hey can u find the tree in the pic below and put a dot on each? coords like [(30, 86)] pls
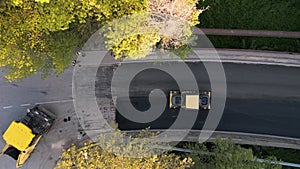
[(119, 154), (131, 36), (178, 15), (165, 24), (41, 35), (224, 154), (26, 29)]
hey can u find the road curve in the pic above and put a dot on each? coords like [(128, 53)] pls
[(261, 99)]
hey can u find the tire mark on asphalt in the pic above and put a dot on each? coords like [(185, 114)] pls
[(49, 102), (24, 105), (7, 107)]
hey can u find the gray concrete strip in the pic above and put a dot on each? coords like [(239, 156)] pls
[(206, 55), (228, 56), (94, 56), (236, 137), (91, 116)]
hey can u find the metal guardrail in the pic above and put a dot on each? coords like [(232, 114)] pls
[(236, 137), (288, 164), (258, 33)]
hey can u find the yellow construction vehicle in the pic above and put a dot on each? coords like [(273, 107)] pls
[(22, 136)]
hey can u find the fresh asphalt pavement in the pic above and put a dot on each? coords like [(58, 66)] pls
[(260, 99)]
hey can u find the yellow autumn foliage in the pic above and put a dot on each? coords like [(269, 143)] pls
[(164, 24), (116, 154), (41, 35)]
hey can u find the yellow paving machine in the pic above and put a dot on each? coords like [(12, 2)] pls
[(22, 136)]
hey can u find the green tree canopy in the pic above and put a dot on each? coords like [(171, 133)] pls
[(226, 155)]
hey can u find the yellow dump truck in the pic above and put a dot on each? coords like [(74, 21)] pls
[(190, 99), (22, 136)]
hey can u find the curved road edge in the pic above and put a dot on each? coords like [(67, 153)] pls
[(226, 56), (236, 137), (231, 56)]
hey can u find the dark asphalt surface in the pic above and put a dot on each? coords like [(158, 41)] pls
[(261, 99)]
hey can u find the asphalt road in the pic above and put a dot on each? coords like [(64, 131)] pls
[(260, 99), (17, 96), (55, 94)]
